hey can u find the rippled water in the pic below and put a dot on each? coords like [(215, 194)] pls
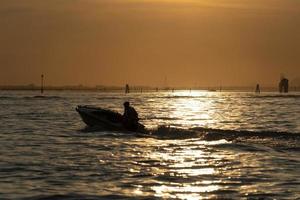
[(214, 145)]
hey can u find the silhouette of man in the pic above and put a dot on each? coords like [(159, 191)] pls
[(130, 117)]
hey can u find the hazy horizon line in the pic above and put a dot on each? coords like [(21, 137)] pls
[(141, 87)]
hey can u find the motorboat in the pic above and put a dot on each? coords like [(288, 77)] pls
[(104, 118)]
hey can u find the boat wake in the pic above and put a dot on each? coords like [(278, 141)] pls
[(207, 134), (164, 132)]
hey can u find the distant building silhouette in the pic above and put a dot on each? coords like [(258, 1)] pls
[(257, 90), (284, 85), (127, 89)]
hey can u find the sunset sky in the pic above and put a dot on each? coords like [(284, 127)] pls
[(140, 42)]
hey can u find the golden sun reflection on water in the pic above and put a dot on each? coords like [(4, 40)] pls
[(196, 110), (194, 162), (185, 191)]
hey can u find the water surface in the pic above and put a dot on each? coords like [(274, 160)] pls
[(233, 145)]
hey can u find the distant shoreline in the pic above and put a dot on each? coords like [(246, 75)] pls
[(139, 89)]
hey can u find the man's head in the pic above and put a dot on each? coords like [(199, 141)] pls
[(126, 104)]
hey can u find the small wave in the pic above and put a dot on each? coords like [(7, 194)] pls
[(249, 147), (179, 97), (105, 98), (80, 196), (30, 97), (7, 97), (161, 118), (232, 134), (297, 149), (105, 133), (42, 97), (295, 96)]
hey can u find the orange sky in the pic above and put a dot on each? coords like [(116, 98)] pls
[(111, 42)]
